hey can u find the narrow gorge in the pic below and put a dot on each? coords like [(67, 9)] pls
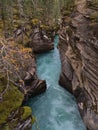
[(55, 109), (48, 65)]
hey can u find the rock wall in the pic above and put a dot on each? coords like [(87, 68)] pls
[(79, 56)]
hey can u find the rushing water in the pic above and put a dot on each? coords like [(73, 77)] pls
[(56, 109)]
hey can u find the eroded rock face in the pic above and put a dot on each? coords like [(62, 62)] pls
[(79, 56)]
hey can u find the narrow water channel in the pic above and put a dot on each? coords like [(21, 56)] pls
[(56, 109)]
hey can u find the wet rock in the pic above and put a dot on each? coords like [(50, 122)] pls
[(40, 42), (33, 86), (79, 56)]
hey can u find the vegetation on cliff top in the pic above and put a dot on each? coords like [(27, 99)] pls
[(15, 60)]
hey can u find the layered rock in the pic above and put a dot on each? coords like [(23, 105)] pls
[(79, 56)]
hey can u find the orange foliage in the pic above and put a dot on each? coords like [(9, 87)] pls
[(14, 59)]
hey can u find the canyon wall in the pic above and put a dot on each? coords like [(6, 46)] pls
[(79, 57)]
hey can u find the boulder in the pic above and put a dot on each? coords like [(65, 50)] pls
[(40, 41)]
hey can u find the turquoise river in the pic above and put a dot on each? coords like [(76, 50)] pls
[(56, 109)]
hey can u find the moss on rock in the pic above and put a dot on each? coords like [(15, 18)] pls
[(11, 100), (26, 112), (5, 127)]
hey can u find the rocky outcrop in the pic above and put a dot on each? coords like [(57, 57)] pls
[(37, 38), (33, 86), (41, 42), (79, 56)]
